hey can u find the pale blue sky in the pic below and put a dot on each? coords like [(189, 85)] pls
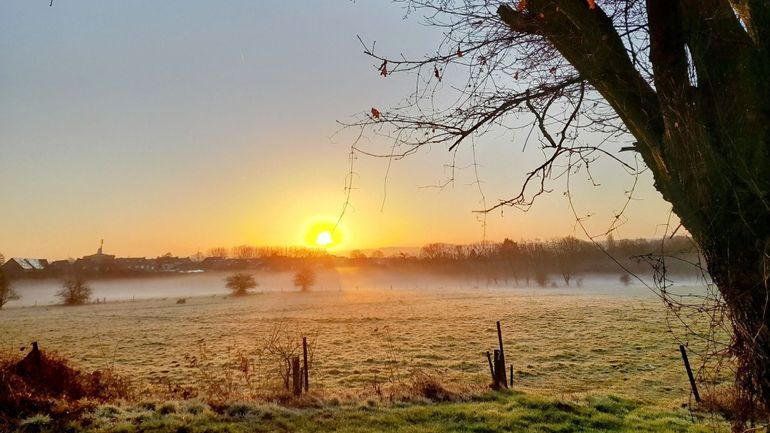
[(178, 125)]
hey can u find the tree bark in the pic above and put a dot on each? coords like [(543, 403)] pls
[(740, 272)]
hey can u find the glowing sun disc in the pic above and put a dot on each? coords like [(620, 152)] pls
[(323, 232), (324, 238)]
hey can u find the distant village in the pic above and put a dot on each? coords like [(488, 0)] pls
[(101, 264)]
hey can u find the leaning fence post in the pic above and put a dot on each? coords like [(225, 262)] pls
[(491, 367), (689, 373), (502, 355), (511, 376)]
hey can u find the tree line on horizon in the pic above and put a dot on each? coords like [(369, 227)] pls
[(563, 259), (523, 261)]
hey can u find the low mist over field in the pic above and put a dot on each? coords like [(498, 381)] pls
[(43, 291)]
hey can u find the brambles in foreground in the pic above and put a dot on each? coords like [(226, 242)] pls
[(284, 346), (240, 283), (74, 291), (304, 279), (46, 385), (7, 293)]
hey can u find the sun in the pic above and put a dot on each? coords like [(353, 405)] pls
[(324, 238), (326, 233)]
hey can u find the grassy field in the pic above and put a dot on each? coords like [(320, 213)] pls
[(574, 352)]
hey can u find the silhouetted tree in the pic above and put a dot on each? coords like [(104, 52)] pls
[(304, 279), (218, 252), (244, 252), (74, 291), (437, 252), (510, 254), (567, 252), (540, 277), (686, 80), (7, 293), (357, 255), (240, 283)]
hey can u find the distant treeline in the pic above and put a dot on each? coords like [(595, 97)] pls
[(542, 262), (524, 261)]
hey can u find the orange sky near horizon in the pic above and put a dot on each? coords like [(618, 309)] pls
[(181, 130)]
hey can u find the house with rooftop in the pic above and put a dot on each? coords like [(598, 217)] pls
[(17, 266)]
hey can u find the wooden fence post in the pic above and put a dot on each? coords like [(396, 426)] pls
[(502, 355), (689, 373), (287, 379), (296, 376), (499, 370), (304, 362)]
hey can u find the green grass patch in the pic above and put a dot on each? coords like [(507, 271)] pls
[(492, 413)]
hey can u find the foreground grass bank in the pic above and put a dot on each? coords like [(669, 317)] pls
[(503, 412)]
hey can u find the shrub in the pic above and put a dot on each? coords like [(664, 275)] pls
[(304, 279), (240, 283), (74, 291)]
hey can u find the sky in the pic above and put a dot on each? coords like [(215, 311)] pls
[(177, 126)]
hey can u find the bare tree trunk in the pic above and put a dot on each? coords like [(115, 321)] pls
[(751, 344), (741, 275)]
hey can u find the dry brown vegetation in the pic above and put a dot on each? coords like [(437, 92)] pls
[(724, 401), (46, 383)]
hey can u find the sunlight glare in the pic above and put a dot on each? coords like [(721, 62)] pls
[(324, 238), (324, 232)]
